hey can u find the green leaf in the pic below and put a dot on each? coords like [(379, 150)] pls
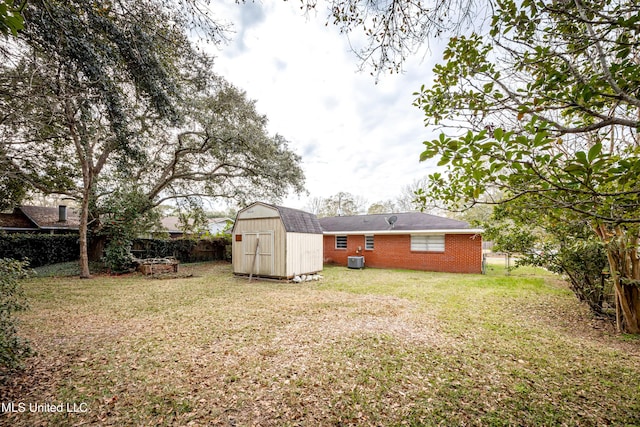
[(594, 151), (581, 156), (574, 168), (444, 160), (539, 139)]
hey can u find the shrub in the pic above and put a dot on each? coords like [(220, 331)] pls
[(40, 249), (573, 251), (582, 261), (13, 349), (185, 250), (117, 256), (157, 248)]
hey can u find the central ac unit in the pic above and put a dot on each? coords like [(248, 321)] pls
[(355, 262)]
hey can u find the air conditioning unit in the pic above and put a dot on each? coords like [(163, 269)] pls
[(355, 262)]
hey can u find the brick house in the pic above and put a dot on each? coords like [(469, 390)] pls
[(414, 240)]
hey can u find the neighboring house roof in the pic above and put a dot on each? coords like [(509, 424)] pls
[(171, 223), (16, 221), (297, 221), (47, 218), (410, 222)]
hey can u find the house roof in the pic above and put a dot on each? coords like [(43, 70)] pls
[(297, 221), (406, 222), (171, 223), (48, 218), (16, 221)]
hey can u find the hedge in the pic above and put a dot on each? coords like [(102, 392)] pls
[(185, 250), (13, 349), (45, 249), (40, 249)]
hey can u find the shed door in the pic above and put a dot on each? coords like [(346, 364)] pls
[(263, 265)]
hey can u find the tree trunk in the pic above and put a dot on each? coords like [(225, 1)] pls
[(622, 253), (84, 227), (627, 307)]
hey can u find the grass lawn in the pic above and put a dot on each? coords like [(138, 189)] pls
[(361, 347)]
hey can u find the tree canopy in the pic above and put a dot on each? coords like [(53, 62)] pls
[(97, 95), (545, 112), (393, 30)]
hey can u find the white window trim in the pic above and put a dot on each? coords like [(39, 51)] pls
[(366, 242), (345, 241), (427, 243)]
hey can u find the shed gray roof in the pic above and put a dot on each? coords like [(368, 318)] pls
[(297, 221), (410, 221)]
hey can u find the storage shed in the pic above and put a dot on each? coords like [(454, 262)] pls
[(274, 241)]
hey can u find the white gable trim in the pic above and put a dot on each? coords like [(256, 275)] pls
[(379, 232)]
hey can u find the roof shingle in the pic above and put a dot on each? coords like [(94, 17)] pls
[(16, 221), (48, 218), (297, 221), (409, 221)]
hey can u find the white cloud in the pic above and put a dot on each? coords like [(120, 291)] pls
[(353, 134)]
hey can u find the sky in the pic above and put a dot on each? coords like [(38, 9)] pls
[(354, 135)]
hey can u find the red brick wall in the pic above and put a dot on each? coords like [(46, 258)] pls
[(463, 253)]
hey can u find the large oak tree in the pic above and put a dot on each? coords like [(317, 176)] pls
[(93, 93)]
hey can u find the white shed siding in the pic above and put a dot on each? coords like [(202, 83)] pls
[(258, 211), (281, 253), (304, 253), (243, 251)]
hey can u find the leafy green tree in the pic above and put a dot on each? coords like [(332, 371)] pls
[(551, 108), (101, 95), (192, 217), (567, 248), (12, 192), (573, 251), (222, 150), (124, 215), (92, 68)]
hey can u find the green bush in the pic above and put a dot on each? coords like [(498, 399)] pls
[(13, 349), (185, 250), (158, 248), (573, 251), (117, 256), (40, 249)]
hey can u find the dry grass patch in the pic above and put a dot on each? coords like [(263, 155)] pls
[(371, 347)]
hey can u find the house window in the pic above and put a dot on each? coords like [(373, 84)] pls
[(429, 243), (368, 243), (341, 242)]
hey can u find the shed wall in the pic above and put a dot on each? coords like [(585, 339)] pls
[(304, 253)]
